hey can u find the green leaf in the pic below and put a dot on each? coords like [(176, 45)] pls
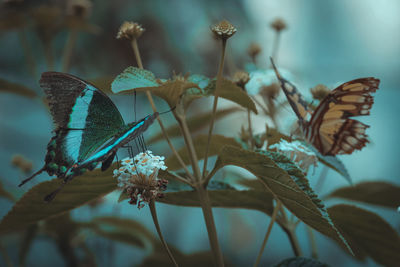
[(200, 143), (230, 198), (14, 88), (301, 261), (376, 193), (286, 182), (195, 123), (31, 208), (143, 80), (331, 162), (368, 234), (103, 83), (232, 92), (132, 78), (123, 230), (198, 259)]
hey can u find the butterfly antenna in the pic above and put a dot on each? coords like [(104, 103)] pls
[(275, 68), (31, 177), (167, 111)]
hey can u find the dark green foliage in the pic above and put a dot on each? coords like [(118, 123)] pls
[(372, 192), (301, 262), (368, 234)]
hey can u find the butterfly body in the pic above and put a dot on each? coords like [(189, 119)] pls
[(89, 129), (330, 128)]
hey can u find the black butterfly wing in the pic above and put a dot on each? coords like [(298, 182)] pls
[(85, 118)]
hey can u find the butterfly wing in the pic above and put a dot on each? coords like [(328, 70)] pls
[(331, 130), (85, 118)]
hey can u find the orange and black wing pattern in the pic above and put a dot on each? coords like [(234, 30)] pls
[(295, 99), (331, 129)]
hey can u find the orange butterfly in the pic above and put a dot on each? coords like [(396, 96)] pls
[(330, 129)]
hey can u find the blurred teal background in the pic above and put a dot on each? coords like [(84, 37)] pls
[(326, 42)]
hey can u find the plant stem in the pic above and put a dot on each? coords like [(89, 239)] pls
[(271, 223), (6, 257), (189, 144), (276, 46), (218, 84), (157, 225), (210, 224), (48, 51), (69, 45), (293, 240), (260, 105), (150, 98), (28, 53), (250, 129), (135, 49), (313, 243)]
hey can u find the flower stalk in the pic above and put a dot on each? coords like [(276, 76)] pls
[(210, 224), (214, 110), (153, 212), (69, 46), (28, 52), (271, 223)]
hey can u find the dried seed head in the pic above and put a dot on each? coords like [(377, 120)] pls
[(319, 92), (240, 78), (253, 50), (223, 30), (270, 91), (278, 25), (79, 8), (130, 30)]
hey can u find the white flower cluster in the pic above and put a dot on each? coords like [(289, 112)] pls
[(144, 163), (138, 178), (297, 152)]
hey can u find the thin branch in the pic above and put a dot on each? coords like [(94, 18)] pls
[(28, 53), (218, 84), (69, 46), (271, 223), (210, 224), (313, 243), (157, 225), (189, 144)]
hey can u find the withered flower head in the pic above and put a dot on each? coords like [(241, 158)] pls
[(223, 30), (240, 78), (21, 163), (79, 8), (278, 25), (319, 92), (138, 178), (270, 91), (130, 30), (253, 50)]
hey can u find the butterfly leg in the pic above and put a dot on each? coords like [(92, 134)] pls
[(31, 177)]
